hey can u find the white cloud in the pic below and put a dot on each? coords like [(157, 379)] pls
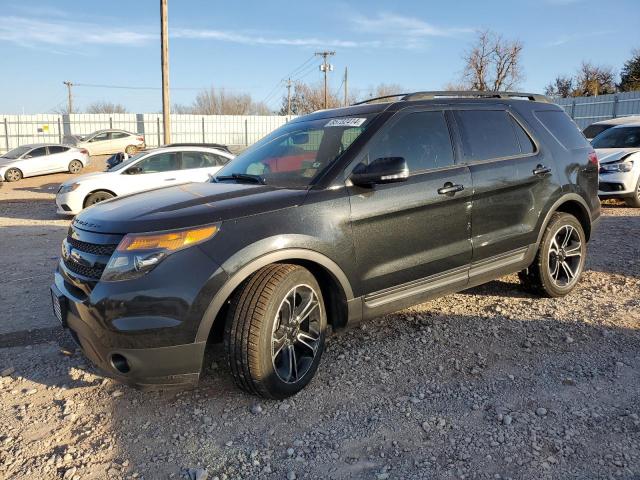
[(391, 24)]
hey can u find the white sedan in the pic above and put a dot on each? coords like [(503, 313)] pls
[(41, 158), (160, 167), (107, 142)]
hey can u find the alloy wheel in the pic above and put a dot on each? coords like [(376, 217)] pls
[(75, 167), (295, 338), (565, 256), (13, 175)]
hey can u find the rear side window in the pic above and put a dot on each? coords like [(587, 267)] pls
[(560, 125), (592, 131), (526, 144), (421, 138), (115, 135), (57, 149), (487, 134)]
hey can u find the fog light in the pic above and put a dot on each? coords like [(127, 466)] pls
[(120, 363)]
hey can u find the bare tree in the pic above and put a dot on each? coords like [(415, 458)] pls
[(307, 98), (593, 80), (493, 63), (562, 87), (214, 101), (106, 107)]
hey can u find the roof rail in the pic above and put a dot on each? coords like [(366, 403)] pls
[(430, 95)]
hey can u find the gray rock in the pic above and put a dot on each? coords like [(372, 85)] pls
[(256, 409), (541, 411)]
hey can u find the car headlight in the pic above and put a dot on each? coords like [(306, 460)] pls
[(139, 253), (68, 188), (617, 167)]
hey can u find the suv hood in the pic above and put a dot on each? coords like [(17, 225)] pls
[(183, 206), (609, 155)]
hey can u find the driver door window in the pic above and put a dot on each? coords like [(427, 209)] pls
[(37, 161)]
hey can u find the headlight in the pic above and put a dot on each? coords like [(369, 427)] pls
[(139, 253), (617, 167), (68, 188)]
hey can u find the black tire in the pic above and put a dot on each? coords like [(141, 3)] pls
[(13, 175), (97, 197), (131, 150), (256, 319), (75, 166), (547, 276), (635, 200)]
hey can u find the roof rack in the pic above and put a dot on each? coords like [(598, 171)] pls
[(430, 95)]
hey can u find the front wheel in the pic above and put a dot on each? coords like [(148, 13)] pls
[(75, 166), (12, 175), (560, 260), (275, 331), (97, 197)]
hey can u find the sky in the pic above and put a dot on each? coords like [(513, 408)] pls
[(251, 46)]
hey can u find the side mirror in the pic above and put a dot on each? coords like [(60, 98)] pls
[(27, 156), (134, 170), (381, 170)]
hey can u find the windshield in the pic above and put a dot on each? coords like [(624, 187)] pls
[(296, 153), (127, 162), (16, 152), (619, 137)]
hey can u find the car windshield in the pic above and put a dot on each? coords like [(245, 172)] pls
[(127, 162), (294, 155), (16, 152), (619, 137)]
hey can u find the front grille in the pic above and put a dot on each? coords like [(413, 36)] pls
[(89, 272), (93, 248)]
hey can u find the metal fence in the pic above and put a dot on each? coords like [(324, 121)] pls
[(586, 110), (232, 130)]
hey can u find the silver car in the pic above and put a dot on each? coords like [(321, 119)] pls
[(41, 158)]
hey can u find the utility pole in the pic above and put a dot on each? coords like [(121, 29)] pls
[(346, 87), (289, 96), (69, 97), (325, 67), (164, 61)]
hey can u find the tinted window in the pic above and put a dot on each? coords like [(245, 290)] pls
[(119, 135), (592, 131), (620, 137), (195, 160), (526, 144), (422, 139), (163, 162), (487, 134), (214, 159), (57, 149), (100, 137), (560, 125), (38, 152)]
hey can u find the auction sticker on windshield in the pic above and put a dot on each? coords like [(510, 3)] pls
[(346, 122)]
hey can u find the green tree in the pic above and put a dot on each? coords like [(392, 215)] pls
[(630, 75)]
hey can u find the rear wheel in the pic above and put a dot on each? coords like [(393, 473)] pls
[(75, 166), (635, 200), (12, 175), (131, 150), (97, 197), (275, 330), (560, 260)]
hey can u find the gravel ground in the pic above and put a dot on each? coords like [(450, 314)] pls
[(487, 383)]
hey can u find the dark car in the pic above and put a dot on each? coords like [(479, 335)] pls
[(334, 218)]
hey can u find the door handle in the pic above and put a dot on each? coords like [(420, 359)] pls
[(169, 179), (541, 170), (449, 188)]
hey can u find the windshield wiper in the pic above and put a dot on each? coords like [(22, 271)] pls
[(242, 177)]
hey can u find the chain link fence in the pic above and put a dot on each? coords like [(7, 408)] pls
[(231, 130)]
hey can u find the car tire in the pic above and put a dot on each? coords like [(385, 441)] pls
[(635, 200), (131, 150), (13, 175), (97, 197), (560, 259), (271, 352), (75, 166)]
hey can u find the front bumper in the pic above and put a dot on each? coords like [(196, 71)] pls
[(150, 322), (69, 203), (619, 184)]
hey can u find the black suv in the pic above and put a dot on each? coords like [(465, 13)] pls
[(335, 217)]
